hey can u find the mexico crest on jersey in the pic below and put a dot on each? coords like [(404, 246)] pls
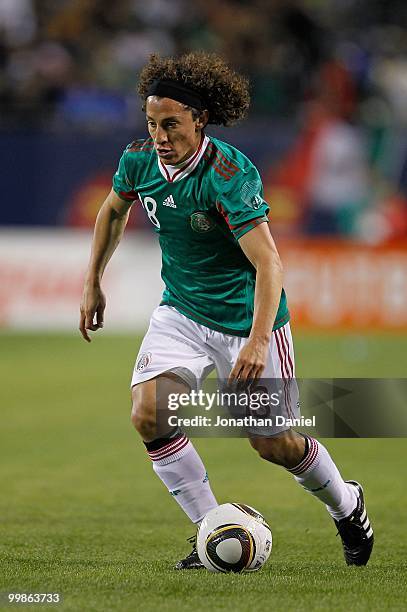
[(201, 222), (143, 362)]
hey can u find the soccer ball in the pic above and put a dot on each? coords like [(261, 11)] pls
[(234, 538)]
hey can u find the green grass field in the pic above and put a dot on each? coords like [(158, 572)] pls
[(82, 514)]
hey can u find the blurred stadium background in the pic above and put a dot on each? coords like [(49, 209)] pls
[(327, 129)]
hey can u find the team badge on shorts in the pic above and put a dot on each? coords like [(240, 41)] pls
[(143, 362), (201, 222)]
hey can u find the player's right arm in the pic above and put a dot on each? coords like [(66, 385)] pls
[(109, 227)]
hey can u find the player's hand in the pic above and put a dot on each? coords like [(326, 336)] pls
[(92, 309), (250, 363)]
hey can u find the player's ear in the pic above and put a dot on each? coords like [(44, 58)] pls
[(202, 120)]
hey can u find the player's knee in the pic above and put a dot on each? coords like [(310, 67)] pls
[(285, 450), (144, 423), (143, 415), (268, 449), (146, 428)]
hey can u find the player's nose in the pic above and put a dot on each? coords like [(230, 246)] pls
[(160, 136)]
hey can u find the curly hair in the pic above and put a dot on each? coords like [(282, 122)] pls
[(226, 93)]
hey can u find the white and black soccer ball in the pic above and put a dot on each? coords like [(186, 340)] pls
[(234, 538)]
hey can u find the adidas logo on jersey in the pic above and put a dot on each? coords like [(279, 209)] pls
[(169, 202)]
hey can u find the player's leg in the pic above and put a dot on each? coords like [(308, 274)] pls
[(312, 466), (171, 360), (303, 456), (174, 458), (317, 473)]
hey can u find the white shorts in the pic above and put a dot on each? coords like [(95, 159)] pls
[(175, 343)]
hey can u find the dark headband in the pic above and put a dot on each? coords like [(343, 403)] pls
[(176, 91)]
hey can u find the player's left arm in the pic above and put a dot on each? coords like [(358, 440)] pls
[(259, 247)]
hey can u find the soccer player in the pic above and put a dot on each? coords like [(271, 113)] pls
[(224, 305)]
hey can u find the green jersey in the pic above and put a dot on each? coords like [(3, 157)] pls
[(199, 210)]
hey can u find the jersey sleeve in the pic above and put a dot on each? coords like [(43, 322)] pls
[(241, 202), (123, 184)]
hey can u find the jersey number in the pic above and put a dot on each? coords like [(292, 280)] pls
[(150, 206)]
